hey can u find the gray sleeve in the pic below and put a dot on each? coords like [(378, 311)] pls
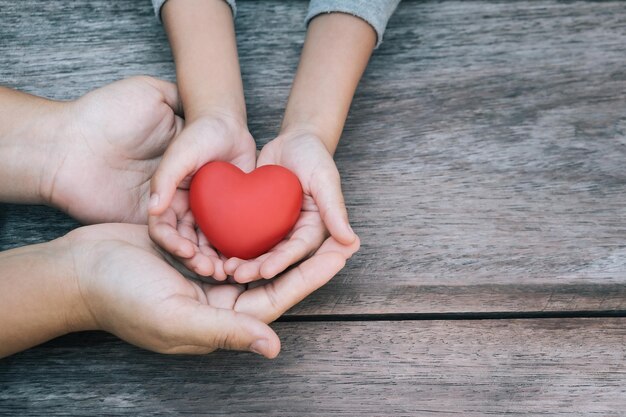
[(157, 4), (374, 12)]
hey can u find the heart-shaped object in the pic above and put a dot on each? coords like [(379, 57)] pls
[(244, 215)]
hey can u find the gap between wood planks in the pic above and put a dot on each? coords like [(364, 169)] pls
[(522, 315)]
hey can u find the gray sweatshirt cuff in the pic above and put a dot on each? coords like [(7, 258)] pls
[(374, 12), (157, 4)]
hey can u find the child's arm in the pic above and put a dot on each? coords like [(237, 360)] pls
[(202, 37), (340, 39), (335, 54)]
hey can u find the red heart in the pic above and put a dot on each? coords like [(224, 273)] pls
[(244, 215)]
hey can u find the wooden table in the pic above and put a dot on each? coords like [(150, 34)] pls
[(484, 166)]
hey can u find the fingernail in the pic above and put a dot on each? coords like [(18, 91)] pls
[(260, 346), (154, 201)]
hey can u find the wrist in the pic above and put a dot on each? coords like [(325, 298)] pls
[(203, 42), (54, 263), (28, 148), (224, 126), (232, 119), (60, 137), (294, 131), (70, 252), (37, 299)]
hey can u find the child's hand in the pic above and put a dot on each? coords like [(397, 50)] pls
[(100, 165), (127, 288), (171, 222), (323, 208)]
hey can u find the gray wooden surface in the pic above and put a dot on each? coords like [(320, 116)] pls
[(483, 161), (424, 368), (484, 167)]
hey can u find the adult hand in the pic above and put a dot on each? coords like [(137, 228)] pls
[(323, 208), (127, 288), (171, 222), (111, 143)]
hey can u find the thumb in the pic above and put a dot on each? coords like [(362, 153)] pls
[(176, 164), (326, 191), (217, 328)]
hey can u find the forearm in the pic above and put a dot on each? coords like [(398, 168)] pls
[(335, 54), (38, 299), (202, 37), (28, 128)]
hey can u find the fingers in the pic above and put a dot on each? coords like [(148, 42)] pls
[(231, 265), (246, 271), (309, 234), (270, 301), (201, 264), (169, 92), (164, 233), (179, 124), (194, 147), (326, 191), (179, 239), (207, 250), (199, 325), (223, 296), (177, 163), (174, 231)]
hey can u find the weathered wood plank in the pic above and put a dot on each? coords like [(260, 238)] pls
[(469, 368), (483, 161)]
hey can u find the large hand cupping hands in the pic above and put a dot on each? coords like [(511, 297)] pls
[(127, 288), (110, 145), (323, 206), (98, 157)]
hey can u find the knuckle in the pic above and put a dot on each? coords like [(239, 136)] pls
[(273, 297), (223, 339), (146, 79)]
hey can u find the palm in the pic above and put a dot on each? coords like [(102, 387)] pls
[(131, 275), (121, 132), (176, 227), (134, 293)]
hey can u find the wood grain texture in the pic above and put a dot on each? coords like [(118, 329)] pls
[(482, 163), (425, 368)]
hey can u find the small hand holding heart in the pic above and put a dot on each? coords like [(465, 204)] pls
[(323, 209), (255, 225), (171, 223)]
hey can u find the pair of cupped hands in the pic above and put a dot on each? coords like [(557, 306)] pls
[(127, 156)]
